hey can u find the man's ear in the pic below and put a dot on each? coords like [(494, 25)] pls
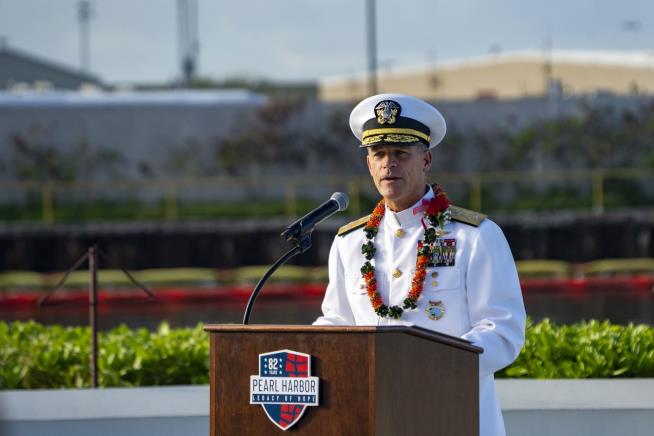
[(368, 162), (427, 161)]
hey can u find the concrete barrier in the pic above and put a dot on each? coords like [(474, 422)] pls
[(161, 411), (530, 407), (578, 407)]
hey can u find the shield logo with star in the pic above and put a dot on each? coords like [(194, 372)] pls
[(284, 386)]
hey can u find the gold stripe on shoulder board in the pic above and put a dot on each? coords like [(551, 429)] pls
[(347, 228), (467, 216)]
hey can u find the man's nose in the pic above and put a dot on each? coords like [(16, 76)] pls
[(389, 162)]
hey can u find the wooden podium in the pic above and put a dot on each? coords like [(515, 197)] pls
[(389, 380)]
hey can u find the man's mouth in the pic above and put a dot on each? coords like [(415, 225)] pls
[(389, 179)]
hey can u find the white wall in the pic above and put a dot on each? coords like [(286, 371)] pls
[(530, 407), (594, 407)]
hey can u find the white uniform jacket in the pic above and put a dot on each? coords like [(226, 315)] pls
[(480, 294)]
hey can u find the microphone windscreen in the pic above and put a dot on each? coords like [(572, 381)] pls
[(342, 199)]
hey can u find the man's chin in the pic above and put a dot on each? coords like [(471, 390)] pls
[(390, 193)]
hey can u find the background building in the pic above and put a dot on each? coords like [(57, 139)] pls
[(19, 69), (511, 75)]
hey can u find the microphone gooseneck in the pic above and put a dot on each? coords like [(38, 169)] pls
[(299, 233)]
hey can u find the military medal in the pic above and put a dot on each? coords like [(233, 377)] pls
[(444, 252), (435, 310)]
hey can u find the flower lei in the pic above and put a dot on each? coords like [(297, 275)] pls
[(437, 216)]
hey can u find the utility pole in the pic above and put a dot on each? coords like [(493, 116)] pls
[(84, 16), (187, 39), (547, 64), (371, 20)]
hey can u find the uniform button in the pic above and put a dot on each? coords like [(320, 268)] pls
[(434, 274), (434, 283), (399, 233), (397, 273)]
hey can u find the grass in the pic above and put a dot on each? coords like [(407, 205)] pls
[(103, 210), (522, 199)]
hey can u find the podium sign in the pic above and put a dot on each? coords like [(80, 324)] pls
[(284, 386), (314, 380)]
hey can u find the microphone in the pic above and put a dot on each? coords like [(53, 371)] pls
[(337, 202), (299, 233)]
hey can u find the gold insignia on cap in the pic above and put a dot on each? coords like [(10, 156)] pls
[(387, 111), (393, 134)]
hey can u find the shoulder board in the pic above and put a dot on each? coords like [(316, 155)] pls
[(467, 216), (347, 228)]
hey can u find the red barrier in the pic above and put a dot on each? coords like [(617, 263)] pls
[(168, 295)]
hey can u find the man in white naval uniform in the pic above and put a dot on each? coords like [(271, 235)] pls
[(471, 291)]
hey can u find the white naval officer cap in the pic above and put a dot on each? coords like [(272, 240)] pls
[(397, 119)]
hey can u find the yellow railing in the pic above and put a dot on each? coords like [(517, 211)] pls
[(289, 188), (596, 177)]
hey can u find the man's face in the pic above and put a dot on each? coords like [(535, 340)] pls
[(399, 173)]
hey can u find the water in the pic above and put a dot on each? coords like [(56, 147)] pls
[(618, 307)]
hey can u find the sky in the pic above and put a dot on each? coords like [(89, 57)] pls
[(135, 41)]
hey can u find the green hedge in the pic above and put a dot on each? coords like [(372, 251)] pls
[(35, 356), (585, 350)]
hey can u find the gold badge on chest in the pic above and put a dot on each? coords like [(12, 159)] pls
[(435, 310)]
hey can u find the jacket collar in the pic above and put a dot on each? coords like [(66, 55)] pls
[(410, 216)]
